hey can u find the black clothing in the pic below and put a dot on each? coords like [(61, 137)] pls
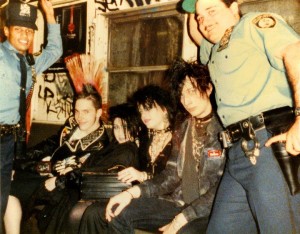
[(27, 182), (162, 197), (59, 146), (115, 154), (210, 169), (145, 160), (125, 154)]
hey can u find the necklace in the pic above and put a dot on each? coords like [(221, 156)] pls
[(153, 132), (199, 121), (199, 135), (159, 141)]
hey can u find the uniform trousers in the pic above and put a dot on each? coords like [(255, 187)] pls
[(7, 154), (254, 198)]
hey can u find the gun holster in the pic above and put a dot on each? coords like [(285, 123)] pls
[(289, 166), (20, 144), (276, 123)]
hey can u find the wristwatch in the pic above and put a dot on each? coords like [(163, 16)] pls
[(297, 111)]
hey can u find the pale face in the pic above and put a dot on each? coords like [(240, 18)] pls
[(87, 116), (214, 17), (19, 37), (120, 135), (196, 104), (154, 118)]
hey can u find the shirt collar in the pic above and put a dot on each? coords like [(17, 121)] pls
[(10, 48)]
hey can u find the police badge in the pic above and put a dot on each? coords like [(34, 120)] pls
[(264, 21)]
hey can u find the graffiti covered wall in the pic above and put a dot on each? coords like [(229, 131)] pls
[(115, 5), (53, 97)]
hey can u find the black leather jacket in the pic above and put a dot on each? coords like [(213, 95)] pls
[(167, 185), (58, 146)]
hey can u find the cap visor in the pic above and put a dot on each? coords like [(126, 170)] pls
[(189, 6), (22, 24)]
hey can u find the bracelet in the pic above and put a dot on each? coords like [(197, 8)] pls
[(129, 193), (175, 224)]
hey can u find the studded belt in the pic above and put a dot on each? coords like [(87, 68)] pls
[(7, 129)]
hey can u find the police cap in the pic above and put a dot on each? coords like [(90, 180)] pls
[(21, 14)]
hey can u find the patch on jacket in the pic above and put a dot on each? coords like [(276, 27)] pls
[(213, 153), (264, 21)]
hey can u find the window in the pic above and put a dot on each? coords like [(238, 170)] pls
[(142, 44)]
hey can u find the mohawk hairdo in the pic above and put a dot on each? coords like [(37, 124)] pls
[(180, 70), (152, 95), (129, 116), (89, 92)]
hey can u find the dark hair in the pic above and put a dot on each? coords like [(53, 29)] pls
[(180, 70), (129, 116), (228, 2), (89, 92), (152, 95)]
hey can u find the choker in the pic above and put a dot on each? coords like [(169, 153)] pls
[(204, 119), (153, 132)]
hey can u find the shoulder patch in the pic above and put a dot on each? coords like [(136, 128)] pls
[(264, 21), (212, 153)]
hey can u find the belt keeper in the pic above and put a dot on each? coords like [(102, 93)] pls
[(248, 131)]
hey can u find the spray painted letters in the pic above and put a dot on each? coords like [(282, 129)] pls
[(115, 5), (54, 98)]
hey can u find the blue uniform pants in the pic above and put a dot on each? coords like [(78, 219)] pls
[(7, 154), (254, 198)]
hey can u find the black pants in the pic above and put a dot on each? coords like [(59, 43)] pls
[(7, 154), (144, 213)]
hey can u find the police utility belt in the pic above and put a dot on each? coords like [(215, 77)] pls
[(276, 121), (7, 129)]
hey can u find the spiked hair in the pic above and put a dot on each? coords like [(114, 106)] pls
[(152, 95), (180, 70)]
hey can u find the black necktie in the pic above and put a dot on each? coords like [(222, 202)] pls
[(22, 108), (20, 146)]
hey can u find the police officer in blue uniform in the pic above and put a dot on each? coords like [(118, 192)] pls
[(254, 64), (19, 31)]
